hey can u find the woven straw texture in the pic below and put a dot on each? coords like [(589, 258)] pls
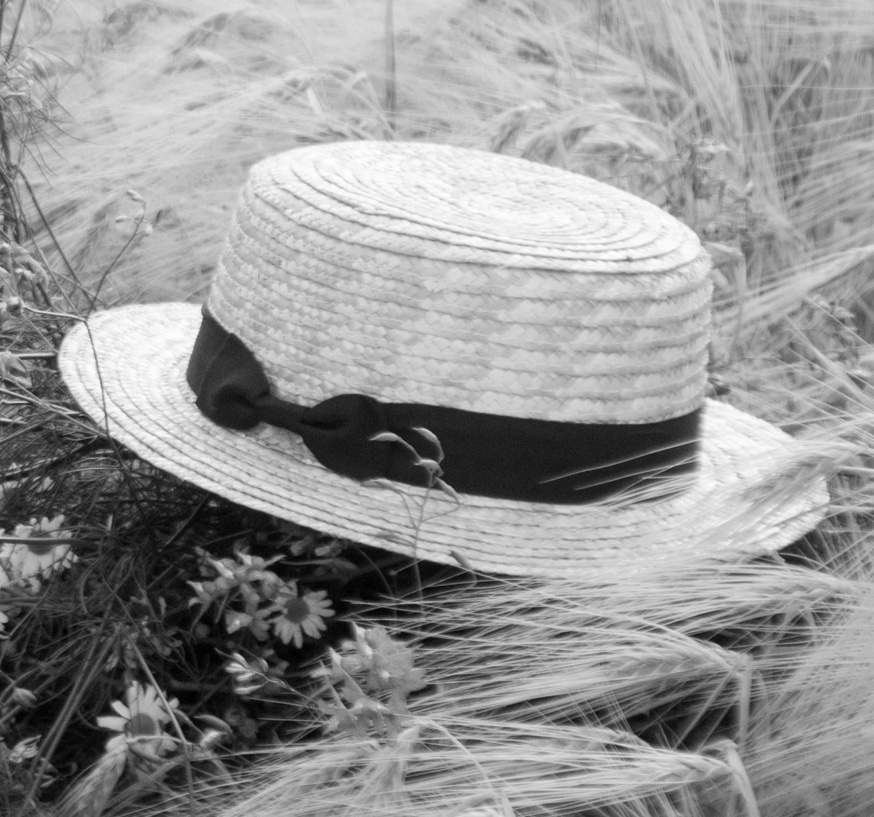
[(429, 274), (418, 273)]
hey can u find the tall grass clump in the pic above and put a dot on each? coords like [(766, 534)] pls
[(163, 652), (746, 690)]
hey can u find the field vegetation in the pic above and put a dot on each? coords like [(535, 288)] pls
[(165, 653)]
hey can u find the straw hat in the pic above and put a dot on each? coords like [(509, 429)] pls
[(550, 331)]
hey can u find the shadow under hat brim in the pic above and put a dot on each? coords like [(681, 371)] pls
[(754, 491)]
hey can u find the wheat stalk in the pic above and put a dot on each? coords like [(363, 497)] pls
[(90, 796)]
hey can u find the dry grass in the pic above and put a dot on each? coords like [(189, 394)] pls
[(776, 725), (748, 121), (739, 691)]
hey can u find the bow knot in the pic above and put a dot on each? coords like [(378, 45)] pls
[(232, 390)]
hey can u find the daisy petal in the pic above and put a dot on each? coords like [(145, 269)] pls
[(113, 723)]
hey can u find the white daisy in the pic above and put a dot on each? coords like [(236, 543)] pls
[(300, 615), (140, 722), (26, 562)]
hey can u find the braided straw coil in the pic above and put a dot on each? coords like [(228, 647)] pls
[(418, 273)]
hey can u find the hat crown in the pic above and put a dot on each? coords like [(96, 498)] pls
[(418, 273)]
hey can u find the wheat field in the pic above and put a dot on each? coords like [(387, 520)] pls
[(127, 130)]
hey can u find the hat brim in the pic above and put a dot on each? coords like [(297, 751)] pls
[(753, 492)]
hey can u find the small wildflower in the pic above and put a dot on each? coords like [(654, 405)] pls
[(216, 725), (303, 546), (24, 750), (245, 574), (13, 306), (21, 697), (256, 566), (255, 622), (262, 673), (249, 676), (300, 615), (328, 550), (224, 567), (14, 370), (383, 665), (244, 670), (27, 563), (205, 593), (140, 722), (210, 739)]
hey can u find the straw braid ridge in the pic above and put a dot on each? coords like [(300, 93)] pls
[(662, 253), (326, 316), (470, 199), (372, 313), (610, 283), (312, 351)]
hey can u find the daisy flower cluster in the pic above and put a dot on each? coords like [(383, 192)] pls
[(141, 741), (29, 555), (249, 596), (251, 599), (140, 723), (295, 615), (369, 681), (33, 552)]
